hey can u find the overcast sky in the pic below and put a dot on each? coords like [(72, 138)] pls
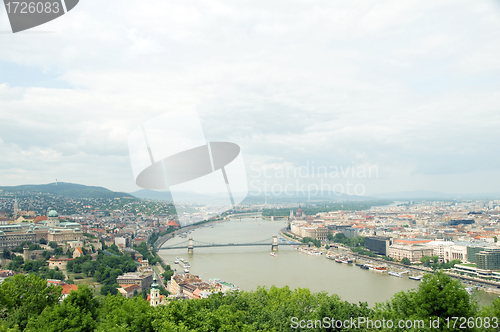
[(409, 88)]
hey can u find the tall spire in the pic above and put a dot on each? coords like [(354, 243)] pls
[(154, 285), (155, 293)]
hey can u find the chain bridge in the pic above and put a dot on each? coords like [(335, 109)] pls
[(190, 244)]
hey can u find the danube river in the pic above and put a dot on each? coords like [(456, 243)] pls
[(250, 267)]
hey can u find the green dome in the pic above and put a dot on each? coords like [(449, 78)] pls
[(52, 213)]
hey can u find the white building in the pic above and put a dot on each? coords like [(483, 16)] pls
[(440, 247), (455, 252), (413, 253)]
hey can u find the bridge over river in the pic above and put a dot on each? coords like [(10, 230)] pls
[(190, 244)]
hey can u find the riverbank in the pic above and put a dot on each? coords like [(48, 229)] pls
[(283, 233), (161, 241), (484, 285)]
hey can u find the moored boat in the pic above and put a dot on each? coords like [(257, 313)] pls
[(310, 251), (380, 269), (396, 274), (185, 264), (347, 260)]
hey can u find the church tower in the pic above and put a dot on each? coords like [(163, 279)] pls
[(155, 293)]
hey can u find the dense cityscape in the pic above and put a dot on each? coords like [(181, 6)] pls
[(107, 246)]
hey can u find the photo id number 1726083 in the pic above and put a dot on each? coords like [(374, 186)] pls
[(32, 7)]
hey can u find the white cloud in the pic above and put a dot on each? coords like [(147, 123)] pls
[(409, 86)]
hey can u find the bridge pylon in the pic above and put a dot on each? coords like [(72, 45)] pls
[(274, 245), (190, 246)]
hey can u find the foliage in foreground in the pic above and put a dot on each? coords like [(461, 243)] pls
[(27, 303)]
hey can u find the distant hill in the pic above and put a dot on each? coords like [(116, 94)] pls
[(417, 194), (71, 190), (152, 194)]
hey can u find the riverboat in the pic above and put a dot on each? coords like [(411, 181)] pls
[(330, 256), (418, 278), (396, 274), (273, 254), (310, 251), (380, 269), (176, 260), (185, 264), (347, 260)]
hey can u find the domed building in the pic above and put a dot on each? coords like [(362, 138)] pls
[(52, 218), (62, 231)]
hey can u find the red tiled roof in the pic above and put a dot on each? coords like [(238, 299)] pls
[(67, 288), (54, 282), (39, 218), (130, 288), (52, 259), (149, 297), (411, 241)]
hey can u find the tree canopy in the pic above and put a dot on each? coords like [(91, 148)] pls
[(28, 303)]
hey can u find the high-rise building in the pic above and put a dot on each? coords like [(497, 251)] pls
[(378, 244), (489, 259), (472, 250)]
